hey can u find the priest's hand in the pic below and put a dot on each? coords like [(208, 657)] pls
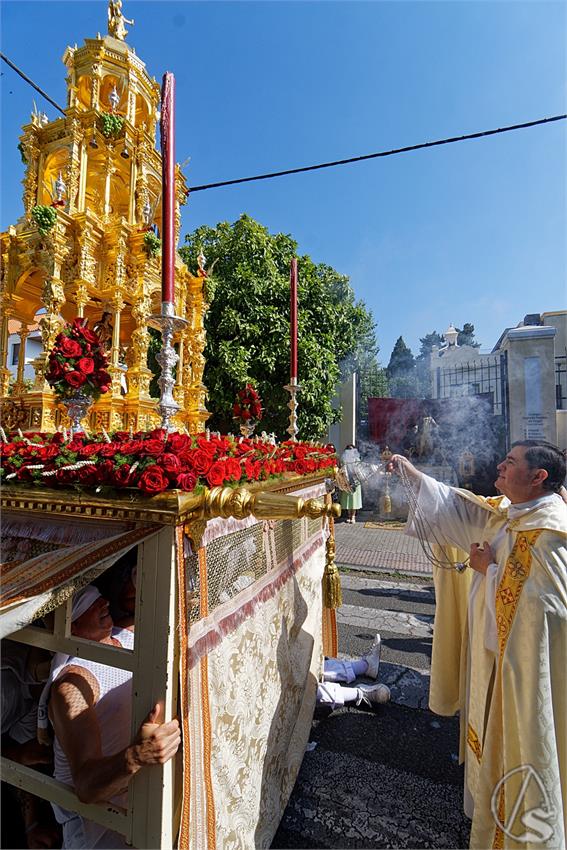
[(480, 558), (400, 464)]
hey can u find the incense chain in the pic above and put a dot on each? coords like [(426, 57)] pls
[(425, 532)]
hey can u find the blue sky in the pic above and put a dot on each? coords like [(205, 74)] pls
[(469, 232)]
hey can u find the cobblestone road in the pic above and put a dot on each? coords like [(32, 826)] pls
[(381, 549), (388, 776)]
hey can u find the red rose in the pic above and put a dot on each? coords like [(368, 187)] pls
[(177, 442), (186, 459), (63, 476), (105, 471), (89, 449), (201, 462), (236, 409), (57, 438), (299, 467), (186, 481), (88, 476), (121, 475), (131, 447), (170, 464), (208, 446), (153, 480), (216, 474), (310, 464), (70, 347), (246, 415), (153, 448), (107, 450), (121, 436), (55, 371), (252, 469), (80, 325), (75, 379), (157, 434), (101, 378), (86, 365), (233, 469), (48, 452)]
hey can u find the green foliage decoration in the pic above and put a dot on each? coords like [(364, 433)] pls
[(248, 332), (152, 244), (111, 125), (45, 218)]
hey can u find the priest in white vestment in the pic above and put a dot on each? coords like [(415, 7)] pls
[(506, 654)]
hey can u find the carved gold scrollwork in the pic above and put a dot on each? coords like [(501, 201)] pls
[(240, 503)]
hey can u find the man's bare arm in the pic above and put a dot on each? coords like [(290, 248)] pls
[(98, 777)]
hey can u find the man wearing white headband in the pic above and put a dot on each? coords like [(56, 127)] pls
[(89, 707)]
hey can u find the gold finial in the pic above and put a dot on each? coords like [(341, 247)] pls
[(116, 20)]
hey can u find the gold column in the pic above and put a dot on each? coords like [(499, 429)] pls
[(95, 87), (117, 305), (196, 414), (81, 299), (19, 386), (5, 373), (109, 170)]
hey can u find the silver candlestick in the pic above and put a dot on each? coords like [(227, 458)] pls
[(169, 324), (293, 388)]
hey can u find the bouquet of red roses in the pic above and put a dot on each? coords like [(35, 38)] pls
[(77, 362), (248, 405)]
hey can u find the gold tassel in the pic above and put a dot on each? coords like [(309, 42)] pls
[(387, 504), (332, 592)]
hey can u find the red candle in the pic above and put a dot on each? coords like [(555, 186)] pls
[(293, 318), (167, 127)]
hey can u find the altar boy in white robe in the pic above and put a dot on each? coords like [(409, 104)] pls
[(513, 698)]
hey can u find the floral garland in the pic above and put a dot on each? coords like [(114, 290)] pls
[(154, 461), (77, 362), (45, 218), (248, 405)]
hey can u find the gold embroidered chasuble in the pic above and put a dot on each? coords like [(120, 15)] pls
[(508, 680)]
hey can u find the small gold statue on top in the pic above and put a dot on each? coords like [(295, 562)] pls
[(116, 20)]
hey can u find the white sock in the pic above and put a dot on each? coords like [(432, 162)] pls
[(333, 694)]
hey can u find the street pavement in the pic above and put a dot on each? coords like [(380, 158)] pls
[(384, 776)]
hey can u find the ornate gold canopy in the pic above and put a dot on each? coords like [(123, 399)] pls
[(99, 169)]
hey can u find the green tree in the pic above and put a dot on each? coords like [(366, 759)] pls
[(248, 325), (422, 362), (466, 336), (373, 383), (402, 361), (401, 372)]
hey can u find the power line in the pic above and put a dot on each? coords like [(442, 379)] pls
[(333, 164), (31, 82), (379, 154)]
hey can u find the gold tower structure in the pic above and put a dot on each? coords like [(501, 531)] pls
[(98, 168)]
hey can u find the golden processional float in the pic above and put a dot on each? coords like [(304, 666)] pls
[(236, 582)]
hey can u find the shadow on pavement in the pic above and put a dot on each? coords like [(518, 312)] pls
[(384, 777)]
